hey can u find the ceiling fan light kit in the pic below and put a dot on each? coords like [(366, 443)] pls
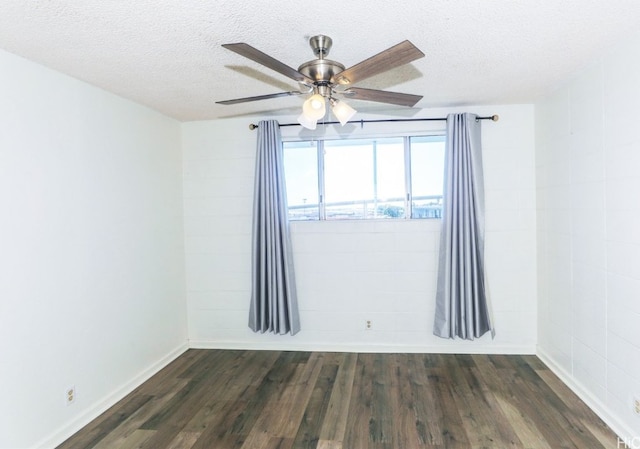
[(328, 79)]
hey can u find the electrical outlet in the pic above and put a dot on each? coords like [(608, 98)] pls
[(636, 406), (70, 395), (368, 325)]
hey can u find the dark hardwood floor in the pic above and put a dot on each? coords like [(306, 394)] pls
[(219, 399)]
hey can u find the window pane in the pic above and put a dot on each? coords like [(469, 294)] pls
[(301, 177), (427, 176), (347, 178), (389, 179), (364, 178)]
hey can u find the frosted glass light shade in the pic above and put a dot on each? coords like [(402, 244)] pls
[(314, 107), (307, 122), (342, 111)]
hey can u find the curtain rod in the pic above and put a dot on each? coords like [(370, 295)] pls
[(493, 118)]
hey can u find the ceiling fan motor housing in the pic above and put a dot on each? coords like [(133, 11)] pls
[(320, 70)]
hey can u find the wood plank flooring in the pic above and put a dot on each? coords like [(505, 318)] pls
[(220, 399)]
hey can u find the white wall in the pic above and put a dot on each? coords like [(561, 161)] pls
[(351, 271), (588, 182), (91, 251)]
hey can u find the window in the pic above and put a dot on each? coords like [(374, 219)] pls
[(398, 177)]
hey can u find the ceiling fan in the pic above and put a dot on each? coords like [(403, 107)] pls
[(326, 79)]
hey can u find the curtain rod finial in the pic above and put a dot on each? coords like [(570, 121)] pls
[(495, 117), (253, 126)]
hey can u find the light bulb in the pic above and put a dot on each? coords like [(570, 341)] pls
[(316, 103)]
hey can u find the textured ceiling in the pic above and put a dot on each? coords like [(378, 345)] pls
[(167, 54)]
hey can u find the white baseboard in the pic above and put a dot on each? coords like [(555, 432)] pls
[(595, 404), (101, 406), (370, 348)]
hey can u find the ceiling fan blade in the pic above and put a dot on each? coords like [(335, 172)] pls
[(260, 97), (398, 55), (256, 55), (382, 96)]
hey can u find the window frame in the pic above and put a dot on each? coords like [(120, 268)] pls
[(408, 195)]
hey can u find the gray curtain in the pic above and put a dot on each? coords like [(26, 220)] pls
[(462, 308), (274, 304)]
